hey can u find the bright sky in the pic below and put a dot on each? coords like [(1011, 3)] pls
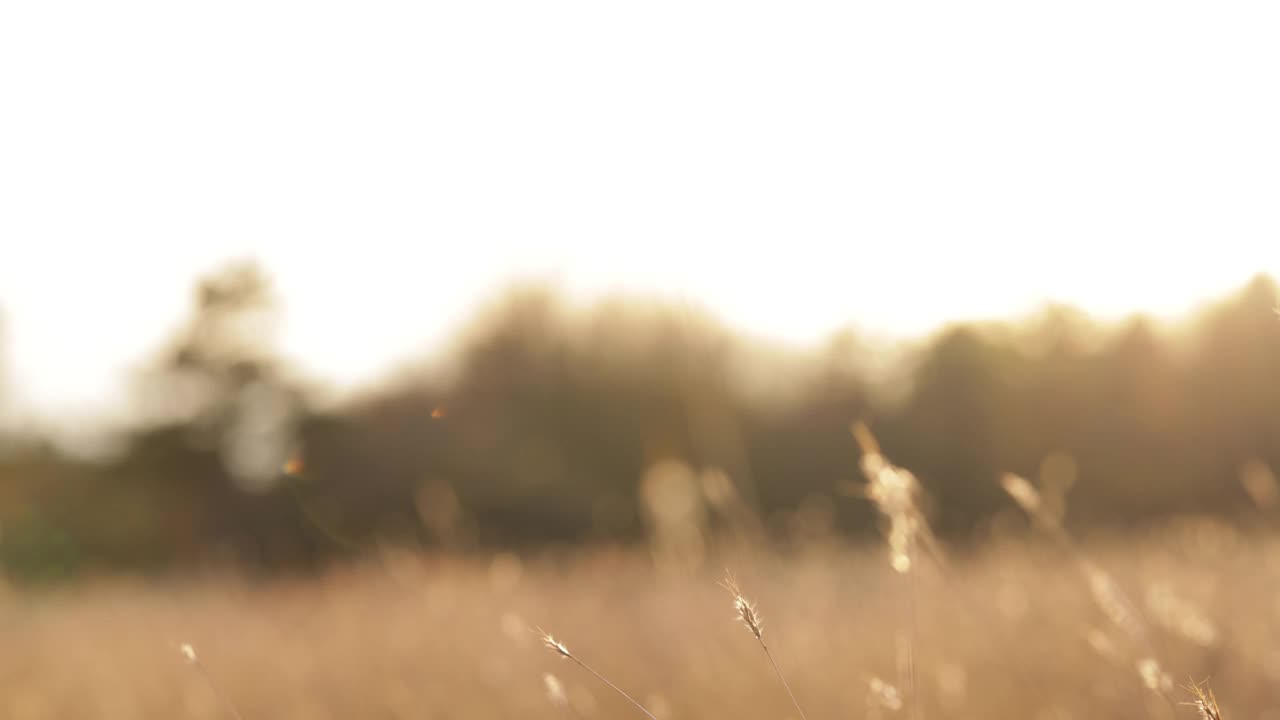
[(790, 166)]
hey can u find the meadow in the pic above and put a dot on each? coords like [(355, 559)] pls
[(1012, 629), (358, 574)]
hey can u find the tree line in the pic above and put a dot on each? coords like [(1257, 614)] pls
[(547, 422)]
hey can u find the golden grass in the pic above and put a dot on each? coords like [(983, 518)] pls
[(1012, 632), (1204, 702), (750, 618), (559, 648)]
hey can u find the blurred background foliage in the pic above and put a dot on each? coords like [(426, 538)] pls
[(551, 423)]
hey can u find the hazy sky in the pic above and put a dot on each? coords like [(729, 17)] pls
[(790, 166)]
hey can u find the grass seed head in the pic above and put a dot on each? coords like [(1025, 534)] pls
[(1022, 492), (1203, 700), (553, 644), (896, 493), (746, 610), (188, 653)]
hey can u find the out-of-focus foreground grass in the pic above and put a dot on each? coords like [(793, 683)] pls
[(1011, 630)]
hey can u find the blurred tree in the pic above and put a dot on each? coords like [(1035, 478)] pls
[(957, 428), (1232, 387), (547, 419), (203, 478), (1135, 409)]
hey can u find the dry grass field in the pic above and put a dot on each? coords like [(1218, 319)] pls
[(1014, 629)]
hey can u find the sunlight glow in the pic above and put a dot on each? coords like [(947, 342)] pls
[(791, 168)]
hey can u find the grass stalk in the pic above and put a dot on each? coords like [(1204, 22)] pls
[(750, 617), (560, 649), (913, 691), (189, 654)]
